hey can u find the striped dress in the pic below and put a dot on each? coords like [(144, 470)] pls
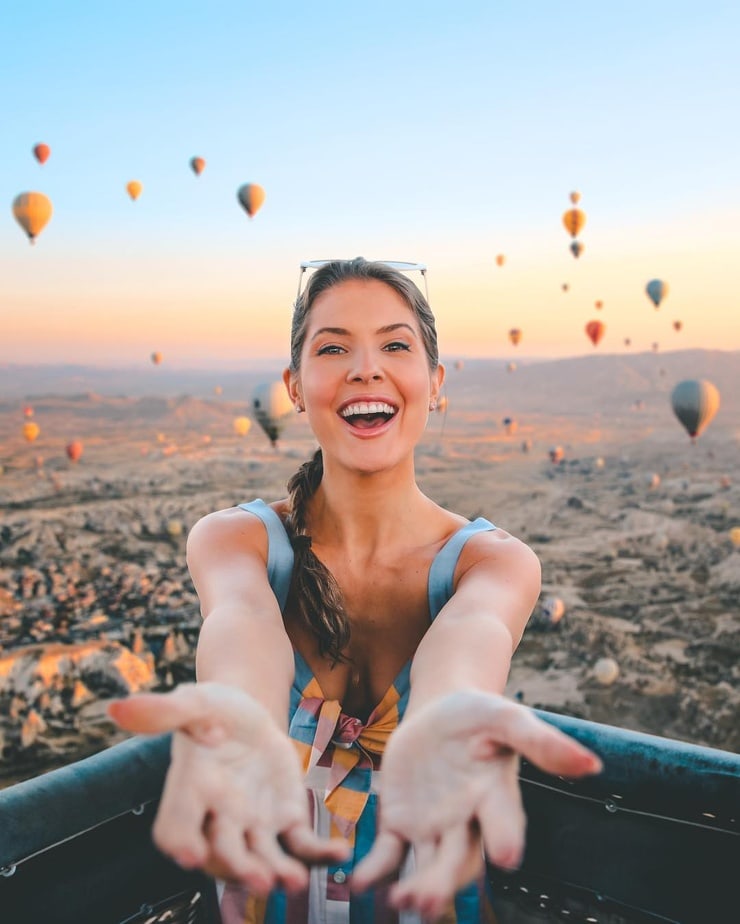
[(341, 758)]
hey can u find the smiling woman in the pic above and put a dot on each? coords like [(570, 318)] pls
[(356, 643)]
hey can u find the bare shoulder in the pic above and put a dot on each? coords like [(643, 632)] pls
[(225, 532), (497, 555)]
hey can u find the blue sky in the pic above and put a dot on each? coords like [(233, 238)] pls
[(414, 131)]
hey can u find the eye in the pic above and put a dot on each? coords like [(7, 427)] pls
[(397, 346), (330, 348)]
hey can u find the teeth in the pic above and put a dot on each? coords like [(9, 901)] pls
[(374, 407)]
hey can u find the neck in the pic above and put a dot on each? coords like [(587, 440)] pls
[(364, 511)]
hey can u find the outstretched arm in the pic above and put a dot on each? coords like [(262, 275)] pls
[(450, 771), (234, 801)]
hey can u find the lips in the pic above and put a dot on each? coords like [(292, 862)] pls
[(368, 416)]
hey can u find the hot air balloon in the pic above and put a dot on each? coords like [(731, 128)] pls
[(627, 342), (656, 291), (272, 407), (655, 346), (134, 189), (556, 453), (156, 358), (574, 221), (510, 425), (41, 152), (606, 671), (198, 165), (575, 197), (511, 367), (28, 411), (595, 331), (31, 430), (218, 389), (74, 450), (551, 611), (565, 286), (677, 325), (459, 365), (695, 402), (515, 335), (577, 248), (251, 196), (598, 304), (526, 445), (241, 425), (32, 211), (500, 259), (735, 536)]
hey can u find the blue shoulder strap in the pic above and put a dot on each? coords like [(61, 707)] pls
[(279, 550), (443, 567)]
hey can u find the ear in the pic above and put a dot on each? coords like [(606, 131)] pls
[(437, 380), (292, 384)]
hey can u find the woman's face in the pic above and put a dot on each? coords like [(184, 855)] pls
[(365, 380)]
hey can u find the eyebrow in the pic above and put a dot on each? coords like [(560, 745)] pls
[(343, 332)]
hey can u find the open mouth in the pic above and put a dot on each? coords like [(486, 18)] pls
[(368, 415)]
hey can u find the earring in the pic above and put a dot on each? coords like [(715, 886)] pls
[(433, 405), (299, 409)]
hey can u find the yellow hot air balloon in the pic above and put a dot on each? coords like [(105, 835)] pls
[(695, 402), (241, 425), (134, 188), (251, 196), (735, 536), (574, 220), (32, 211), (198, 165), (31, 430)]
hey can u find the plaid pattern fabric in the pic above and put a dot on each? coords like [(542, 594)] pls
[(342, 758)]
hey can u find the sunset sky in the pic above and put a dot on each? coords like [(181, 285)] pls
[(433, 132)]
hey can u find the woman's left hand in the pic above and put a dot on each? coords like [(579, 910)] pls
[(449, 781)]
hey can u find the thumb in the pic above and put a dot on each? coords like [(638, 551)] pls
[(154, 713)]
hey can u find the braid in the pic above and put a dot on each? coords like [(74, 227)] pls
[(314, 589)]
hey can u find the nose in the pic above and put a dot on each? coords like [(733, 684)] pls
[(365, 368)]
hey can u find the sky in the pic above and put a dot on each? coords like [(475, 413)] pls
[(430, 132)]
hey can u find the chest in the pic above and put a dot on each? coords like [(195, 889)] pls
[(388, 610)]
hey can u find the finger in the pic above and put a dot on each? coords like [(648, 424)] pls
[(384, 858), (444, 868), (293, 874), (152, 713), (229, 851), (542, 744), (178, 827), (503, 822), (303, 843)]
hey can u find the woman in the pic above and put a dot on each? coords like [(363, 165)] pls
[(328, 617)]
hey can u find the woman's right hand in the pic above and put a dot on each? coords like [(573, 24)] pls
[(234, 803)]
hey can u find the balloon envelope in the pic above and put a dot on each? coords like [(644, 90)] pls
[(595, 331), (515, 335), (575, 197), (156, 358), (74, 450), (134, 188), (695, 402), (198, 165), (500, 259), (241, 425), (656, 290), (31, 430), (574, 220), (32, 211), (41, 152), (251, 196), (271, 406)]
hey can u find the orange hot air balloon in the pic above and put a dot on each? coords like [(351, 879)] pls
[(28, 411), (134, 188), (575, 197), (627, 342), (574, 220), (500, 259), (251, 196), (156, 358), (598, 305), (74, 450), (677, 325), (595, 331), (198, 165), (41, 152), (557, 454), (565, 286), (511, 367), (31, 430), (515, 335), (32, 211)]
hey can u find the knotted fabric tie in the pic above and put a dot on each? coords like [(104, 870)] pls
[(346, 746)]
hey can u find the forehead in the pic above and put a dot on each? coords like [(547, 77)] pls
[(360, 303)]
